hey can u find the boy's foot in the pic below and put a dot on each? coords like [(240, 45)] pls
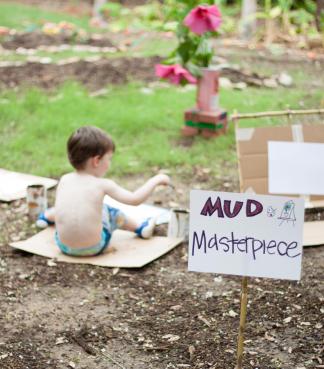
[(145, 230), (43, 222)]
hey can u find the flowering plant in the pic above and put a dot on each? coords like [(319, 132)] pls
[(194, 50)]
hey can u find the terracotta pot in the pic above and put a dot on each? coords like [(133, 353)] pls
[(207, 90)]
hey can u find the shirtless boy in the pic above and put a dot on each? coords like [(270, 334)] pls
[(84, 224)]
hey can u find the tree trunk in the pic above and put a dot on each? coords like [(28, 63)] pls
[(97, 17), (319, 15), (248, 21), (97, 7)]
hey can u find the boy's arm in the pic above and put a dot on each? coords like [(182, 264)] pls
[(138, 196)]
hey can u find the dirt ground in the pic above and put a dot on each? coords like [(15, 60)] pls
[(101, 72), (57, 315)]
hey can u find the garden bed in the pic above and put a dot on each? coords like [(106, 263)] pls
[(32, 40), (94, 75)]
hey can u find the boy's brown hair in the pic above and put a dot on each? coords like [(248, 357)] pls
[(87, 142)]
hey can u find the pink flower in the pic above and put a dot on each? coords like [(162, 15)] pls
[(174, 73), (203, 18)]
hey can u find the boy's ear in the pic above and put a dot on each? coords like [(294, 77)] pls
[(95, 161)]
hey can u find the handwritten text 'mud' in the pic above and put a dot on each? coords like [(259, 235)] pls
[(252, 208)]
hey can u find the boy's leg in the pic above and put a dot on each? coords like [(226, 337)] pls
[(130, 224), (114, 218), (50, 214), (46, 219), (142, 229)]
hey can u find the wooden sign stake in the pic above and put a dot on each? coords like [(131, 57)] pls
[(240, 342)]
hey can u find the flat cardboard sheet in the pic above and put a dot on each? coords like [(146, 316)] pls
[(13, 185), (125, 251), (296, 167), (314, 233), (252, 150)]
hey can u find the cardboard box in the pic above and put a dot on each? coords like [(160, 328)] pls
[(252, 151)]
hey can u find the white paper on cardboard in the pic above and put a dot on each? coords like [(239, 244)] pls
[(296, 168), (141, 212), (246, 234)]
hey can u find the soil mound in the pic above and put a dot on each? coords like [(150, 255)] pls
[(94, 75), (31, 40)]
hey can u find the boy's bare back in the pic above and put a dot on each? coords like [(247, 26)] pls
[(79, 199), (78, 209)]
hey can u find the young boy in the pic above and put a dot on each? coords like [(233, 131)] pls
[(84, 224)]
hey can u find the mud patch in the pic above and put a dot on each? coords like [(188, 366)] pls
[(94, 75), (32, 40)]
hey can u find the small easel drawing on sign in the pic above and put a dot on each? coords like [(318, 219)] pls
[(288, 213)]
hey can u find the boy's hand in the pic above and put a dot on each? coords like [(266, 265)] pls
[(162, 179)]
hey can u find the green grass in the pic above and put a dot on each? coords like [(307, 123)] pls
[(34, 126), (20, 16)]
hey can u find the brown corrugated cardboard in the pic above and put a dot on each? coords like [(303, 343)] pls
[(255, 140), (125, 251), (252, 164), (313, 233), (255, 185), (252, 150), (313, 133)]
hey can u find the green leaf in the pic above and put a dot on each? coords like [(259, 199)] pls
[(285, 5), (194, 69), (204, 47), (172, 60), (260, 15), (275, 12), (182, 31), (186, 49)]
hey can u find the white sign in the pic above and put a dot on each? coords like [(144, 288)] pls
[(246, 234), (296, 168)]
